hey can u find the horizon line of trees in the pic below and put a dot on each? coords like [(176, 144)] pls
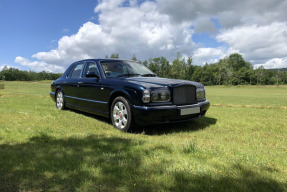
[(14, 74), (231, 70)]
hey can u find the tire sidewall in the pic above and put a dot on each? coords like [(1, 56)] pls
[(129, 112)]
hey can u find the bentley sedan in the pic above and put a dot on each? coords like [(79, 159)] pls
[(128, 93)]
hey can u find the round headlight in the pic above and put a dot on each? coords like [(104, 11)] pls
[(146, 96), (160, 95), (164, 96)]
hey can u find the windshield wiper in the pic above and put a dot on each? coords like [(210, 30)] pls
[(128, 75), (148, 75)]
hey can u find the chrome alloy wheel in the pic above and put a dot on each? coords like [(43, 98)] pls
[(120, 115), (60, 100)]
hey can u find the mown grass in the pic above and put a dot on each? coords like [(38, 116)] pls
[(1, 85), (241, 145)]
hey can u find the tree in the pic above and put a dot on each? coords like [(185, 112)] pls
[(236, 62), (225, 72), (160, 66), (260, 73), (145, 63), (134, 58), (189, 69), (115, 55), (197, 74), (178, 68), (154, 66), (14, 74)]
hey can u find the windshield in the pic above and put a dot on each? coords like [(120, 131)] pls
[(125, 69)]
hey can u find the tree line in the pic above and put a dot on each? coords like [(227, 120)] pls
[(14, 74), (231, 70)]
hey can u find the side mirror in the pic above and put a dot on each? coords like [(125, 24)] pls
[(92, 75)]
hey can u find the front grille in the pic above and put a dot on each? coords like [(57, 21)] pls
[(184, 95)]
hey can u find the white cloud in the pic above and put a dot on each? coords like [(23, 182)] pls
[(38, 65), (256, 29), (108, 5), (257, 43), (274, 63), (139, 30), (244, 11), (211, 55)]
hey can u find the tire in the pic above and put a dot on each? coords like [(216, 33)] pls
[(121, 115), (60, 101)]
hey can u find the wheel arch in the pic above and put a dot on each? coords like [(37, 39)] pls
[(116, 94), (57, 89)]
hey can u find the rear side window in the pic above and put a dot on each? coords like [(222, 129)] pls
[(76, 73)]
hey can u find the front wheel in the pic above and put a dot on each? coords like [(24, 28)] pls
[(121, 114), (60, 102)]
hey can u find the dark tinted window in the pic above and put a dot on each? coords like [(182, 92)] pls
[(120, 68), (77, 71), (91, 68)]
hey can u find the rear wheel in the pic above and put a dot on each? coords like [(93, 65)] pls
[(121, 114), (60, 102)]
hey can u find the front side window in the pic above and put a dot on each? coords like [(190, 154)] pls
[(77, 71), (125, 68), (91, 69)]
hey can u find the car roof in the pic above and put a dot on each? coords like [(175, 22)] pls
[(106, 59)]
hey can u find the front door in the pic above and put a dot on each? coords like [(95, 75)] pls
[(90, 90)]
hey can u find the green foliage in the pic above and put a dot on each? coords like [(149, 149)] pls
[(231, 70), (145, 63), (160, 66), (13, 74), (115, 55), (239, 146), (134, 58), (178, 68)]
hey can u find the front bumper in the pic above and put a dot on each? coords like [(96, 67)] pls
[(170, 113)]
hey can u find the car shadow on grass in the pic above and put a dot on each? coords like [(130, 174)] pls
[(97, 117), (169, 128), (160, 129), (111, 163)]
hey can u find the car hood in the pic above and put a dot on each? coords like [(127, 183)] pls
[(154, 82)]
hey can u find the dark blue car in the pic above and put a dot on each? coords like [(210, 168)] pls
[(127, 92)]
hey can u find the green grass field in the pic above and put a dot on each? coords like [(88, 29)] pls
[(241, 145)]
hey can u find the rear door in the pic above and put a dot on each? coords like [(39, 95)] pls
[(71, 86)]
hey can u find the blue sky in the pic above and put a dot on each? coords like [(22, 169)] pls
[(32, 26), (50, 34)]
